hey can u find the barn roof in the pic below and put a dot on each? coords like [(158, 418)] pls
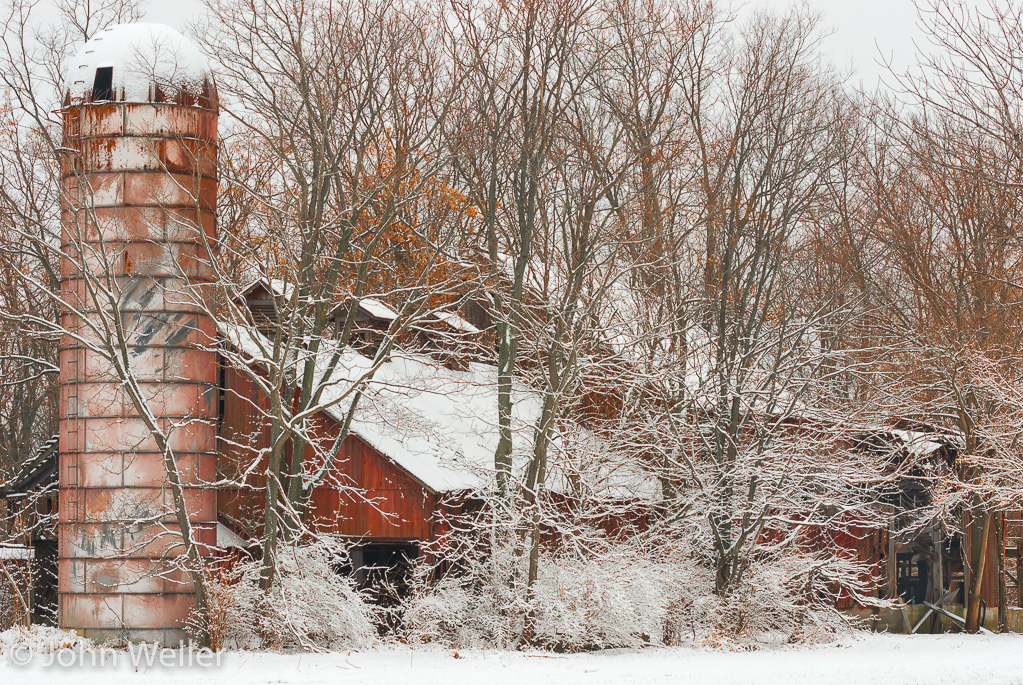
[(38, 471), (440, 425)]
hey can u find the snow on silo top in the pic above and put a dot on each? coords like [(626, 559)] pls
[(140, 63)]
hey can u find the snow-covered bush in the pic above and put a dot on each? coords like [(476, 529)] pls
[(791, 597), (42, 640), (612, 599), (627, 594), (310, 606), (477, 604)]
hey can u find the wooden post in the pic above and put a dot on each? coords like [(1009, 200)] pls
[(1019, 566), (937, 538), (892, 565), (1003, 612)]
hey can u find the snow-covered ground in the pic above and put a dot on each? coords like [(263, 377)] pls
[(888, 659)]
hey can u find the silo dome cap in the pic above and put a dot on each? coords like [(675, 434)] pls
[(138, 63)]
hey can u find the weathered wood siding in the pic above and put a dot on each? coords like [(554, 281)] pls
[(364, 495)]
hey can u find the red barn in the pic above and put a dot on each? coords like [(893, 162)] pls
[(422, 441)]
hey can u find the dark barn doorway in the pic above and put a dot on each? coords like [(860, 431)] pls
[(912, 577), (383, 570)]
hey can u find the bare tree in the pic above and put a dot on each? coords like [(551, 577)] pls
[(766, 134), (945, 178), (524, 68), (334, 174)]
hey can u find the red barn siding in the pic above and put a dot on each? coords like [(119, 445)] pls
[(242, 433), (391, 504), (365, 494)]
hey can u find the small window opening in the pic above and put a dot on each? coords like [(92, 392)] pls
[(102, 87), (221, 392)]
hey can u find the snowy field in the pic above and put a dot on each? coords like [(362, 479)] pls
[(888, 659)]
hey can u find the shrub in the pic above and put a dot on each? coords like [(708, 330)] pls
[(627, 595), (310, 606), (615, 599)]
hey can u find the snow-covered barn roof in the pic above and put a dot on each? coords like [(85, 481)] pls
[(440, 425), (918, 443), (37, 472), (372, 308), (273, 286), (456, 322), (377, 309)]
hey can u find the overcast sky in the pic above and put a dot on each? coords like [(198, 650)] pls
[(862, 30), (858, 29)]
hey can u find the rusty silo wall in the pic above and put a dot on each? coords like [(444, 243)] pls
[(140, 186)]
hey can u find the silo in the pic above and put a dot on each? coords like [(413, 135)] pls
[(139, 181)]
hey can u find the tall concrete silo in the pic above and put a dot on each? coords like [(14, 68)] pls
[(139, 175)]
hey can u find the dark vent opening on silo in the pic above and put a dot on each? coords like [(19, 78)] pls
[(102, 87)]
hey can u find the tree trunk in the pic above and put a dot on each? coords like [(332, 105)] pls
[(977, 573)]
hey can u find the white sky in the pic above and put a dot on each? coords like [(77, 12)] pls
[(860, 30)]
